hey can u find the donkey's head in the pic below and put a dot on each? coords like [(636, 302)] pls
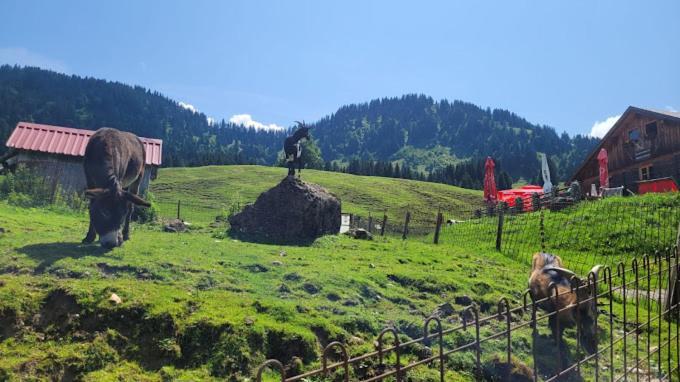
[(108, 211)]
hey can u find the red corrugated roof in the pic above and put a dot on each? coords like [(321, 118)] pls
[(68, 141)]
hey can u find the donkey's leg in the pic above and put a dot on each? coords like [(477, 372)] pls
[(134, 189), (91, 233)]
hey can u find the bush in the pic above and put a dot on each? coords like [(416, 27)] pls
[(144, 214), (25, 188), (228, 211), (21, 200)]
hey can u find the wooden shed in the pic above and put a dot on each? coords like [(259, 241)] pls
[(56, 153), (642, 145)]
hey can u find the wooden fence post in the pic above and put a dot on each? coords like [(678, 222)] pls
[(406, 220), (179, 202), (499, 233), (370, 223), (383, 225), (440, 217)]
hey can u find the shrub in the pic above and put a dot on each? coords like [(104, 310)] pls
[(144, 214)]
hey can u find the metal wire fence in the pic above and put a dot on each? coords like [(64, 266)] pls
[(592, 231), (194, 213), (402, 223), (419, 224), (636, 336)]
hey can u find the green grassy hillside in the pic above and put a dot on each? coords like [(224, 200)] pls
[(219, 187), (201, 306)]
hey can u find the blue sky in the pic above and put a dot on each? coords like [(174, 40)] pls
[(568, 64)]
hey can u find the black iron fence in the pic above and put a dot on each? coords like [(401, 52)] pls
[(634, 336)]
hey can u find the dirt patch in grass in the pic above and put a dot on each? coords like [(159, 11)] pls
[(9, 324), (126, 270), (284, 346), (60, 312), (421, 285)]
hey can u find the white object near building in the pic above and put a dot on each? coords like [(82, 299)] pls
[(345, 220), (545, 171)]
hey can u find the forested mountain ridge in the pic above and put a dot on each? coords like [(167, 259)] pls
[(382, 129), (415, 130), (41, 96)]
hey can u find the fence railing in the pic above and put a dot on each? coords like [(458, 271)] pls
[(635, 324)]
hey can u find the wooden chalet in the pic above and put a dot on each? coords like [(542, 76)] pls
[(643, 145)]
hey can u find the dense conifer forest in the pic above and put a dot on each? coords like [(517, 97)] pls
[(412, 136)]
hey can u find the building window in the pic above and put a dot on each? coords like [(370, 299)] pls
[(646, 173), (634, 135), (650, 130)]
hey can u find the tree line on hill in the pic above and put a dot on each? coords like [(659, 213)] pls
[(431, 140), (466, 174)]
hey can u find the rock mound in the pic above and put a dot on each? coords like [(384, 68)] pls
[(175, 225), (291, 212), (359, 233)]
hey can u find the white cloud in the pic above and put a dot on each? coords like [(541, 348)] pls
[(600, 128), (671, 109), (188, 106), (25, 57), (211, 121), (247, 120)]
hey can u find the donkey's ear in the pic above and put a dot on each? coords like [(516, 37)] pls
[(135, 199), (96, 193)]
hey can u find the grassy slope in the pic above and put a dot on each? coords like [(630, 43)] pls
[(221, 186), (199, 287)]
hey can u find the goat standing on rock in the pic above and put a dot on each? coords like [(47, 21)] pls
[(551, 286), (293, 150)]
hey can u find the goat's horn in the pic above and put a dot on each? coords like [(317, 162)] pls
[(596, 270), (562, 271)]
